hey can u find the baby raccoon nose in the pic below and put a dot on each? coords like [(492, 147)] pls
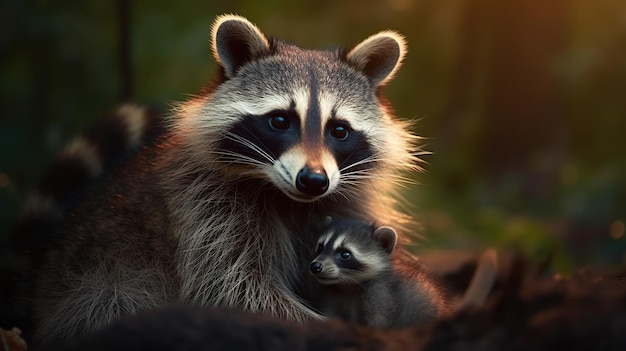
[(312, 181), (316, 267)]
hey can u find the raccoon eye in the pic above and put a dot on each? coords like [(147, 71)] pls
[(345, 255), (279, 122), (340, 132)]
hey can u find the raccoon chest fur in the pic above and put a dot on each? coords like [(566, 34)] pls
[(357, 303), (237, 244)]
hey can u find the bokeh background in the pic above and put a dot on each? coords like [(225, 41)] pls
[(522, 102)]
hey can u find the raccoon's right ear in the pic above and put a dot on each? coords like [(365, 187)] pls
[(236, 41), (378, 56), (387, 237)]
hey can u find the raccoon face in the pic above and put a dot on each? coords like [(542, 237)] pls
[(352, 252), (340, 265), (308, 122)]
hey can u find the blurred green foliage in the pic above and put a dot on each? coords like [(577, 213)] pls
[(520, 101)]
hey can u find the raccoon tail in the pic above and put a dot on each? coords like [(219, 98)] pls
[(80, 163)]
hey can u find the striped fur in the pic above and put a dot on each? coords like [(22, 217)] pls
[(81, 163), (87, 156), (364, 279), (211, 212)]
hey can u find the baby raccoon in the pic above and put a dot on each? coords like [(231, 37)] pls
[(364, 280)]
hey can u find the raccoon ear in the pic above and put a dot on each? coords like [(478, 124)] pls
[(387, 237), (378, 56), (235, 41)]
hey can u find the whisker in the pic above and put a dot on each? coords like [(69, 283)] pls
[(252, 146), (362, 175), (370, 159), (234, 157), (265, 149)]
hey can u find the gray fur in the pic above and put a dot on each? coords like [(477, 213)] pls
[(179, 224), (389, 288)]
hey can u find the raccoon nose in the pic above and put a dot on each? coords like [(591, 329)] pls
[(312, 181), (316, 267)]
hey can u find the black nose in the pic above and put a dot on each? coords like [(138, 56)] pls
[(316, 267), (312, 181)]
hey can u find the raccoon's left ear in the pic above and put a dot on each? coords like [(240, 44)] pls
[(235, 42), (387, 237), (379, 56)]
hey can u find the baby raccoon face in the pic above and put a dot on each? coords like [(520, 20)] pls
[(338, 265), (353, 254)]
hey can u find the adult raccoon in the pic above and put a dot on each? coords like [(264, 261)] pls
[(211, 212)]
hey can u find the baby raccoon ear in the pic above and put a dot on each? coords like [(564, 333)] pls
[(387, 237), (235, 41), (378, 56)]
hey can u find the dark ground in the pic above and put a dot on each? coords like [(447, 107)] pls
[(527, 310)]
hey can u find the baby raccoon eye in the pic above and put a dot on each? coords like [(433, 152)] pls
[(345, 255), (340, 132), (279, 122)]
